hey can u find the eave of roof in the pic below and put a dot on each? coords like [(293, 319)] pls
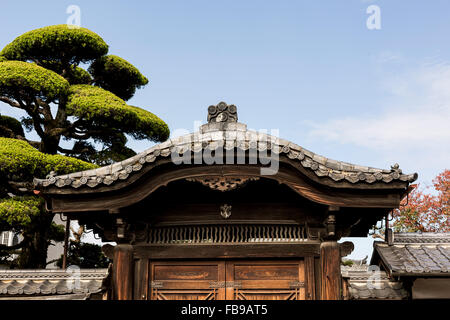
[(51, 282), (416, 255), (366, 283), (229, 135)]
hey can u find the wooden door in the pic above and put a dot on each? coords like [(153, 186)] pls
[(231, 280), (187, 280), (265, 280)]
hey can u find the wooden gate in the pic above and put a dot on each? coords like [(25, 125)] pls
[(230, 280)]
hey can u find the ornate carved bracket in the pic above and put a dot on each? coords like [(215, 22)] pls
[(330, 224), (121, 227), (223, 183), (346, 248)]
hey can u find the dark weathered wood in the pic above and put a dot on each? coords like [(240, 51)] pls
[(345, 292), (247, 250), (230, 280), (187, 280), (265, 280), (123, 272), (141, 273), (298, 183), (66, 243), (330, 260), (317, 277), (193, 230), (294, 166), (309, 278)]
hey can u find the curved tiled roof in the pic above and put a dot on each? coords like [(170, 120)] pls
[(228, 135), (417, 253), (51, 282), (366, 283)]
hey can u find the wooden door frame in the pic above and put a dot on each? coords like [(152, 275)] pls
[(143, 276), (220, 271), (230, 264)]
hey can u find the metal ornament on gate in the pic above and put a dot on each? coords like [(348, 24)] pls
[(296, 284), (156, 284), (225, 211), (225, 284)]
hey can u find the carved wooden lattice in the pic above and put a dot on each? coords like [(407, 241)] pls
[(232, 233), (292, 294), (223, 183)]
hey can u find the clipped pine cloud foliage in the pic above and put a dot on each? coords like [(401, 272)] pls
[(117, 75), (20, 160), (73, 74), (56, 42), (79, 76), (17, 212), (96, 104), (12, 124), (30, 78)]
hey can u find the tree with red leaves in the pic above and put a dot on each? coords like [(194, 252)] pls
[(425, 212)]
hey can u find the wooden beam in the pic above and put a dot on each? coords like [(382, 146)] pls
[(79, 201), (221, 251), (330, 262), (123, 272)]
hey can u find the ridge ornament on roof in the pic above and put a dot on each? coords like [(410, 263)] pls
[(222, 113), (223, 131)]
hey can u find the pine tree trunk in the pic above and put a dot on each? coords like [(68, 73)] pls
[(34, 253), (50, 144)]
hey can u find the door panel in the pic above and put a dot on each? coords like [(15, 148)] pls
[(231, 280), (187, 280), (265, 280)]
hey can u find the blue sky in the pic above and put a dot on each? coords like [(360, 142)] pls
[(311, 69)]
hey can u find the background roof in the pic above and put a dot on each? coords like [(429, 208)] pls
[(415, 254)]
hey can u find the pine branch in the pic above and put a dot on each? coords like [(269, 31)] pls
[(12, 103)]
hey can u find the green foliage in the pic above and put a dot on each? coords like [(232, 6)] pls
[(56, 232), (105, 109), (72, 73), (2, 58), (19, 159), (117, 75), (114, 150), (17, 212), (153, 126), (10, 127), (59, 42), (25, 79), (85, 255), (79, 76), (94, 98), (347, 262)]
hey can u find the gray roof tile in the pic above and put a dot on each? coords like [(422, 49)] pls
[(217, 134), (417, 253), (51, 282), (364, 283)]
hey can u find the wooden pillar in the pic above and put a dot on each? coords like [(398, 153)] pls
[(66, 243), (330, 262), (310, 278), (123, 272)]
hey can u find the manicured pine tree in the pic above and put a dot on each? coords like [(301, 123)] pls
[(41, 74)]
